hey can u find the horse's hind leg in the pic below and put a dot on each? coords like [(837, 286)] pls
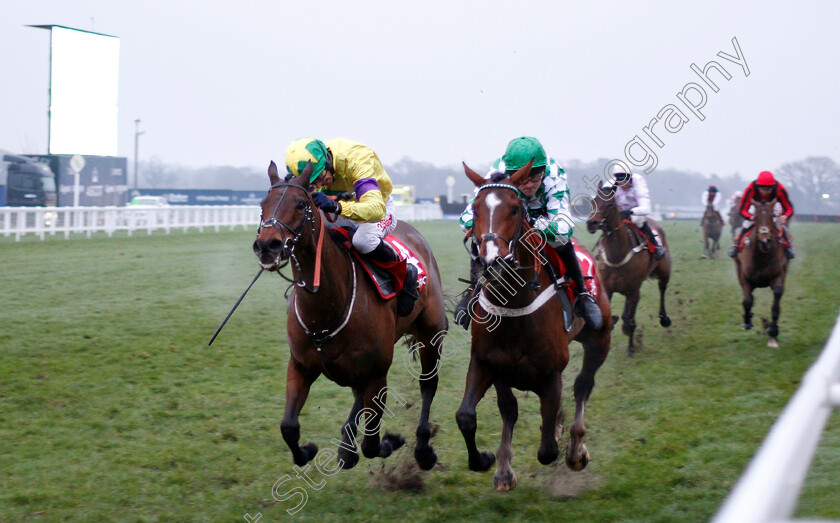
[(595, 352), (424, 454), (550, 410), (298, 382), (628, 319), (663, 274), (347, 451), (504, 478), (478, 381), (375, 396), (773, 328)]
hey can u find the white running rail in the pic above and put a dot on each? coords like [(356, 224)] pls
[(43, 221), (769, 489)]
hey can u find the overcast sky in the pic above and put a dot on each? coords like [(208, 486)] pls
[(232, 83)]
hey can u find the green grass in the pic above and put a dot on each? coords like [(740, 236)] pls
[(112, 407)]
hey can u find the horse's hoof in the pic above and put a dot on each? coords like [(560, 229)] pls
[(307, 452), (577, 461), (547, 456), (426, 457), (390, 443), (773, 344), (348, 459), (665, 321), (505, 482), (747, 326), (484, 462)]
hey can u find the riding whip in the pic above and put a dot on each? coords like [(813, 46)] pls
[(235, 305)]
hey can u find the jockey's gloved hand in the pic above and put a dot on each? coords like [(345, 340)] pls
[(322, 201), (626, 214)]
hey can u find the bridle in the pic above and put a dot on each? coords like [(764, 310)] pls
[(290, 242)]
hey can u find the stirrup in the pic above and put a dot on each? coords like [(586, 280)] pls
[(789, 254), (462, 313), (733, 251)]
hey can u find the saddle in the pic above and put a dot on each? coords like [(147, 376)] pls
[(387, 277), (638, 236)]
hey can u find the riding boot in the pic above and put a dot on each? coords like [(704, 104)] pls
[(733, 250), (585, 305), (462, 312), (659, 250), (405, 300), (789, 253)]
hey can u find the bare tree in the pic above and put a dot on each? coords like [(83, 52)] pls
[(157, 174), (810, 179)]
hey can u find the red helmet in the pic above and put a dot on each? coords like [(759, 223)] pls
[(765, 178)]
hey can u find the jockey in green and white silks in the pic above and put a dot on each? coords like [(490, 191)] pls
[(548, 208), (546, 196)]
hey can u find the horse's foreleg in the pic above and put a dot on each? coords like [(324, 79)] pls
[(550, 410), (747, 289), (504, 478), (298, 382), (594, 353), (424, 454), (375, 396), (773, 328), (478, 381), (347, 451), (628, 318)]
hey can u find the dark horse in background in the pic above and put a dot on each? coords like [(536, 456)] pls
[(712, 227), (519, 339), (762, 263), (623, 266), (339, 326)]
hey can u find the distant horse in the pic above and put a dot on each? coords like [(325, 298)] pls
[(339, 326), (525, 345), (712, 227), (762, 263), (625, 261), (735, 220)]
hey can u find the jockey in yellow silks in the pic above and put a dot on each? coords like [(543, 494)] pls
[(344, 166)]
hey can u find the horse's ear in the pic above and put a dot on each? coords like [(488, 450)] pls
[(474, 177), (303, 179), (517, 178), (272, 173)]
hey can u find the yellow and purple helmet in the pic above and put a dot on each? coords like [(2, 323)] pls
[(304, 150)]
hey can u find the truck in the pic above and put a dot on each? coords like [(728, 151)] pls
[(48, 180), (27, 183)]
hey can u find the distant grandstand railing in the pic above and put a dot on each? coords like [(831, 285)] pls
[(43, 221), (769, 489)]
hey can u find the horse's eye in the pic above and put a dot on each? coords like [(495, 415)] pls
[(515, 211), (301, 205)]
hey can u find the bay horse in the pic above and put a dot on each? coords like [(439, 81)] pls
[(712, 227), (339, 326), (526, 345), (762, 263), (622, 266)]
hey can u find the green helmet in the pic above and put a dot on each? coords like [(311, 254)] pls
[(305, 150), (520, 151)]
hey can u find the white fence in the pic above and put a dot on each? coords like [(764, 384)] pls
[(769, 489), (43, 221)]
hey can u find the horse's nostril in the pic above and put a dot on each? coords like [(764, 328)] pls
[(274, 244)]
